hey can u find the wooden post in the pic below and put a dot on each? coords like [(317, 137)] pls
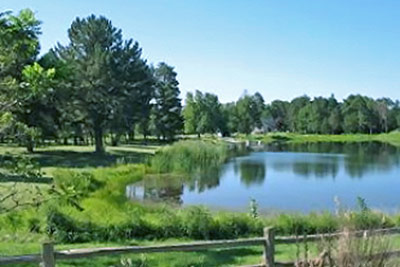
[(48, 255), (269, 247)]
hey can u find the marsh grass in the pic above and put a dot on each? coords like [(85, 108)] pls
[(189, 156)]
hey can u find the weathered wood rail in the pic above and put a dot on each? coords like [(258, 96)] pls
[(48, 257)]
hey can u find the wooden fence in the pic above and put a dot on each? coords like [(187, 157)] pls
[(48, 257)]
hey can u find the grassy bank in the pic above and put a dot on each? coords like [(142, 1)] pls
[(100, 214), (390, 138)]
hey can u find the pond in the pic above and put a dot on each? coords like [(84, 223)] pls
[(290, 178)]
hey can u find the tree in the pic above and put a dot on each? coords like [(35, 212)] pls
[(229, 118), (190, 114), (295, 106), (19, 46), (167, 118), (359, 114), (23, 84), (244, 112), (93, 54), (248, 111), (136, 79), (19, 42), (202, 114), (278, 112), (34, 112)]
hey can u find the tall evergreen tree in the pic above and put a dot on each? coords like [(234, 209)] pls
[(167, 117), (93, 53)]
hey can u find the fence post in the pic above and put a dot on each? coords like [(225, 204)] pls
[(48, 255), (269, 247)]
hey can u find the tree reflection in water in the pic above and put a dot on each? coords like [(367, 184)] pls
[(252, 172), (311, 161), (169, 188), (358, 158)]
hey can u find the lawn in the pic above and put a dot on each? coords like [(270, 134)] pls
[(216, 257), (52, 157)]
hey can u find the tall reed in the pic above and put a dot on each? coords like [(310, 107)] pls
[(189, 156)]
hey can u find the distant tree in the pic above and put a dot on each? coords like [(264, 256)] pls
[(249, 110), (335, 121), (294, 108), (230, 122), (279, 112), (257, 109), (208, 114), (244, 108), (190, 114), (167, 118)]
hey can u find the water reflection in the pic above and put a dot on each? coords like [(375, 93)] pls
[(359, 158), (318, 172), (251, 172), (170, 188), (157, 188)]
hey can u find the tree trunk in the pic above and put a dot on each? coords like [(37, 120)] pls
[(145, 138), (65, 141), (115, 139), (98, 137), (29, 144)]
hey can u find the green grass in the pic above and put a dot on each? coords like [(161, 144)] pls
[(189, 156), (82, 157), (390, 138), (108, 216), (216, 257)]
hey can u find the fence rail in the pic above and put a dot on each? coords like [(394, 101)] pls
[(48, 257)]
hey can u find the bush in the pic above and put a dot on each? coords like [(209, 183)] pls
[(197, 222), (237, 225)]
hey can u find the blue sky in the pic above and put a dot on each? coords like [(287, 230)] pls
[(280, 48)]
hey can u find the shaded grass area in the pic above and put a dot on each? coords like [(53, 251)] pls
[(52, 157)]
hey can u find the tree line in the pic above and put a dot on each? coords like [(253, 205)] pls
[(99, 84), (356, 114)]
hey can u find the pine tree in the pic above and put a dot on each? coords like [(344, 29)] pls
[(167, 117)]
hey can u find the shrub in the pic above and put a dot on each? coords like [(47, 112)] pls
[(197, 222), (236, 225)]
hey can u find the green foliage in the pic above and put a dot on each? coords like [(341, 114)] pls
[(72, 186), (253, 208), (19, 43), (22, 166), (167, 118), (248, 113), (197, 223), (188, 156), (202, 114)]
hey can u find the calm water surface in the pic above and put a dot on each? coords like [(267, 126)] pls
[(299, 178)]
